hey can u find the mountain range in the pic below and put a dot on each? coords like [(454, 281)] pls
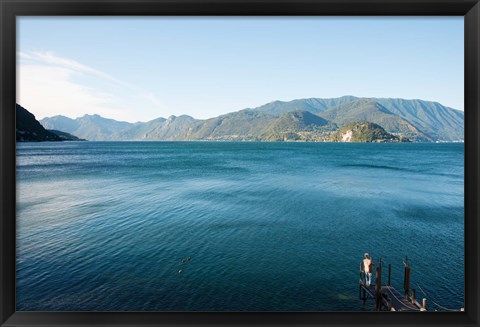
[(312, 119)]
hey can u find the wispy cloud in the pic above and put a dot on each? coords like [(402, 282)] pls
[(49, 85)]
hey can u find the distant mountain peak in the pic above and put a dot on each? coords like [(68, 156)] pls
[(61, 117)]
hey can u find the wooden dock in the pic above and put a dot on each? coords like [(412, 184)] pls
[(386, 297), (391, 298)]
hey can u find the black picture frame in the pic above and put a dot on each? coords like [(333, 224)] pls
[(9, 9)]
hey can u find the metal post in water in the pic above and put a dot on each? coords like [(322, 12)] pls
[(379, 276), (389, 273), (406, 280), (378, 286)]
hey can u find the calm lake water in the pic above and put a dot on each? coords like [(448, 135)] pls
[(104, 226)]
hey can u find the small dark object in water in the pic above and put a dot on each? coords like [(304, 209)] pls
[(185, 260)]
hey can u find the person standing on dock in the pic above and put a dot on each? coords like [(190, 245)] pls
[(368, 267)]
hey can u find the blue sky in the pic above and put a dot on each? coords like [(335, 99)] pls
[(138, 69)]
